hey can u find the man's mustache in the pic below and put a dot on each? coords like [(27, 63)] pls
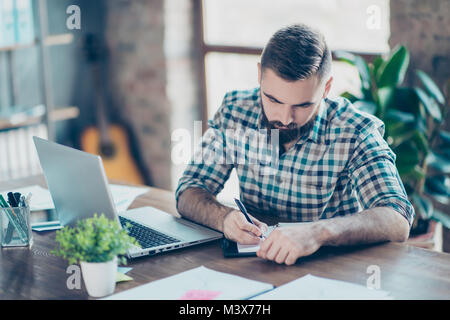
[(278, 125)]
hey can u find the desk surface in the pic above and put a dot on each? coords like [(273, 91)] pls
[(407, 272)]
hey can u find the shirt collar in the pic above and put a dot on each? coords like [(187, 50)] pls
[(318, 131), (260, 109)]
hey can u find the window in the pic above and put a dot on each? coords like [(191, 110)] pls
[(234, 33)]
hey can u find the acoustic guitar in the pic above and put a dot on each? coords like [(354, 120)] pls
[(110, 141)]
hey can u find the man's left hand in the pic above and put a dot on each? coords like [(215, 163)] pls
[(287, 244)]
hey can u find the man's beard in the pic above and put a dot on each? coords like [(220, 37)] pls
[(290, 132)]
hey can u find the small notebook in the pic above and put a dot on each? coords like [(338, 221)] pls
[(252, 248), (196, 284)]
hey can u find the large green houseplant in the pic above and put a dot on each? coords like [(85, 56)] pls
[(413, 118)]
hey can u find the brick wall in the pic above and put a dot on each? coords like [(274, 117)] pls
[(423, 26), (137, 73)]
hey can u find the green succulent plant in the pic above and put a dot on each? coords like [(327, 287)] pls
[(414, 119), (95, 239)]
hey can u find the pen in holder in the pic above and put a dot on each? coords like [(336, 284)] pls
[(15, 226)]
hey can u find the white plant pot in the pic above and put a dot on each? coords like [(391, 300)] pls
[(99, 277)]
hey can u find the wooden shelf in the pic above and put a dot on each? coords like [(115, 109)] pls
[(43, 41), (18, 46), (51, 40), (64, 113), (58, 39), (58, 114)]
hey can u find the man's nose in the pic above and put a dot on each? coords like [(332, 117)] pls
[(286, 115)]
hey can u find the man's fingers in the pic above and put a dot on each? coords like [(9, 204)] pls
[(273, 251), (291, 258), (262, 226), (264, 248), (282, 255), (244, 237), (247, 226)]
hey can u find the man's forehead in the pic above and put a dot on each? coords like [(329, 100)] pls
[(290, 92)]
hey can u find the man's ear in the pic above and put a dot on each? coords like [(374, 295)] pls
[(327, 88), (259, 73)]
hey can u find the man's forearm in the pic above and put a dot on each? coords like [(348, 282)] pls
[(201, 206), (369, 226)]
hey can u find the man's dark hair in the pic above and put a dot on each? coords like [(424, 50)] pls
[(297, 52)]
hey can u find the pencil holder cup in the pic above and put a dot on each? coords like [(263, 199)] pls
[(15, 227)]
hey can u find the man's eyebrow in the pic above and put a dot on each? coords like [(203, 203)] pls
[(272, 97), (304, 104)]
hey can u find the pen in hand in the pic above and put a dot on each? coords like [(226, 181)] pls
[(244, 211)]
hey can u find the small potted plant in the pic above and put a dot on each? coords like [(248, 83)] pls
[(95, 243)]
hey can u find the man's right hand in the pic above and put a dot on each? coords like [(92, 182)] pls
[(237, 228)]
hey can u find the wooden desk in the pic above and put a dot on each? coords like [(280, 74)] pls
[(407, 272)]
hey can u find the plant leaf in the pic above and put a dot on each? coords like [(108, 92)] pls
[(442, 218), (407, 155), (439, 162), (416, 173), (405, 99), (421, 142), (377, 62), (443, 199), (421, 125), (423, 205), (445, 137), (400, 132), (438, 185), (431, 86), (430, 105), (392, 72), (349, 96), (359, 63), (399, 116), (366, 106), (385, 98)]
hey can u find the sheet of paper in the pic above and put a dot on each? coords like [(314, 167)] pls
[(40, 199), (121, 274), (311, 287), (124, 269), (120, 277), (123, 196), (198, 282)]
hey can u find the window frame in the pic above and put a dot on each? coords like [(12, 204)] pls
[(205, 48)]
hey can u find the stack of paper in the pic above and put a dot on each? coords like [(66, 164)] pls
[(196, 284), (205, 284), (310, 287), (41, 198), (123, 196)]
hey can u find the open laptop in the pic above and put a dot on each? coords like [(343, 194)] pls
[(79, 188)]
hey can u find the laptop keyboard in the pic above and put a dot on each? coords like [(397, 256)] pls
[(145, 236)]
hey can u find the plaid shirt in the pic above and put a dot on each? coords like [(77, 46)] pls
[(341, 166)]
